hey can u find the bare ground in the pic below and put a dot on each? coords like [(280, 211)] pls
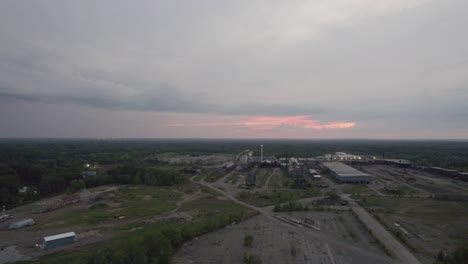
[(275, 243)]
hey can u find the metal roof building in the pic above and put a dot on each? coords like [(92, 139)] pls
[(59, 240), (347, 174)]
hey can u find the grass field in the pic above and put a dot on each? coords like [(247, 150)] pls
[(210, 207), (232, 178), (432, 224), (358, 189), (262, 176), (272, 198), (279, 180), (128, 201), (128, 246)]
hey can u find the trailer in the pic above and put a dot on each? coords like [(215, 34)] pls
[(58, 240), (22, 223)]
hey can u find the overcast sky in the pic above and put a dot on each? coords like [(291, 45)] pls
[(234, 69)]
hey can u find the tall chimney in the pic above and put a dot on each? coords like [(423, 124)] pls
[(261, 153)]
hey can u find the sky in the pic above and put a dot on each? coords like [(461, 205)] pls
[(376, 69)]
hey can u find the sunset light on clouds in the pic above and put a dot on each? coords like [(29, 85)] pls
[(234, 69), (272, 122)]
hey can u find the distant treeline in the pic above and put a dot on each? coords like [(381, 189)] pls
[(50, 166)]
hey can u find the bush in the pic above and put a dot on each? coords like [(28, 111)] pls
[(291, 206), (252, 259), (459, 256), (293, 250), (76, 186), (248, 240)]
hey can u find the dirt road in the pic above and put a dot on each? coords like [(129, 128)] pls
[(267, 182), (385, 237)]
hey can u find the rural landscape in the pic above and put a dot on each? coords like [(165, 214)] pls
[(234, 132), (233, 201)]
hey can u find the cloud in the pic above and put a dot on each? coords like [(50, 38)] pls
[(271, 122), (380, 64)]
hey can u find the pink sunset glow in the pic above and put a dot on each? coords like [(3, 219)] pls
[(270, 122)]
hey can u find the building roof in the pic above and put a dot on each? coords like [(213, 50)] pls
[(59, 236), (344, 170)]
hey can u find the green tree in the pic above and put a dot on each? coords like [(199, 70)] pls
[(76, 185)]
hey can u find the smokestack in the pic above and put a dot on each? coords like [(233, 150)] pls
[(261, 153)]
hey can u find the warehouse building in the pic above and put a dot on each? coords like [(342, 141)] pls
[(22, 223), (347, 174), (59, 240)]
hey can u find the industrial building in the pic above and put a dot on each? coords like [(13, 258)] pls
[(58, 240), (22, 223), (347, 174)]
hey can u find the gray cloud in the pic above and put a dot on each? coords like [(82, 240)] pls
[(402, 61)]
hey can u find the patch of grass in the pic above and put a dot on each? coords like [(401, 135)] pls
[(198, 177), (402, 190), (291, 206), (262, 176), (358, 189), (248, 240), (421, 208), (232, 178), (211, 207), (278, 180), (209, 191), (293, 251), (155, 243), (134, 202), (276, 197), (252, 259), (213, 175)]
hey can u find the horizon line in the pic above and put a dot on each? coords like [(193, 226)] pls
[(194, 138)]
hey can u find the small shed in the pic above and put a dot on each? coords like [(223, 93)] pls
[(22, 223), (59, 240)]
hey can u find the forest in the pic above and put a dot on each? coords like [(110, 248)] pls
[(51, 166)]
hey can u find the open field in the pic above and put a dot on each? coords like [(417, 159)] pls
[(262, 176), (427, 225), (275, 243), (262, 199), (415, 182), (102, 213), (358, 190), (279, 180)]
